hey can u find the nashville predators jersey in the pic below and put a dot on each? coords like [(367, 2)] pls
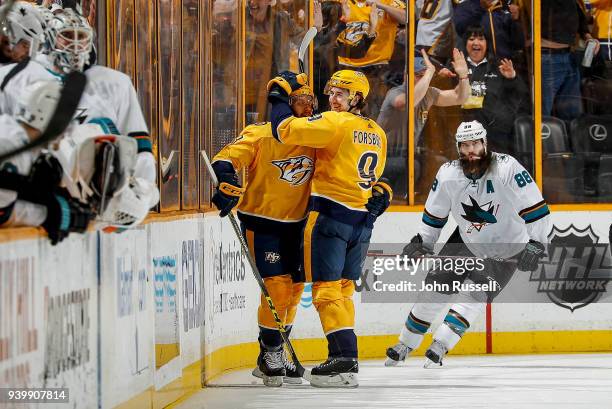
[(278, 176), (381, 49), (350, 157)]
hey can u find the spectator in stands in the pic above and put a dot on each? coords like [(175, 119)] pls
[(270, 34), (499, 20), (498, 96), (367, 42), (602, 28), (562, 22), (325, 51), (426, 96)]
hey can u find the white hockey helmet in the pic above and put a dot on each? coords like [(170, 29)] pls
[(471, 131), (23, 24), (45, 17), (71, 39), (38, 102)]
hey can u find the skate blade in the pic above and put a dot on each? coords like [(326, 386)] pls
[(257, 373), (344, 380), (391, 362), (429, 364), (273, 381), (307, 375), (292, 381)]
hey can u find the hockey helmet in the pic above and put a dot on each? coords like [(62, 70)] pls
[(23, 24), (305, 93), (71, 39), (471, 131), (38, 102), (45, 17), (353, 81)]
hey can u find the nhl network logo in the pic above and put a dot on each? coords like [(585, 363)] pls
[(577, 268)]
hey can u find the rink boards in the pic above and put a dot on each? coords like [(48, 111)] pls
[(138, 319)]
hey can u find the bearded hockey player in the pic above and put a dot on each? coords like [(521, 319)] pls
[(108, 94), (351, 153), (272, 213), (502, 218)]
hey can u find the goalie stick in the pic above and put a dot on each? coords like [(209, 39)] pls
[(308, 37), (304, 373), (74, 84)]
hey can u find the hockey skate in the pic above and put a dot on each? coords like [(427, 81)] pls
[(434, 355), (336, 373), (271, 367), (291, 375), (397, 353)]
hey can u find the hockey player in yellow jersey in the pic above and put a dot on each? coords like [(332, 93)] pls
[(350, 157), (272, 211)]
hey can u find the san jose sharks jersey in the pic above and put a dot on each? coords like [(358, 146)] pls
[(496, 214), (351, 156), (108, 94), (278, 176)]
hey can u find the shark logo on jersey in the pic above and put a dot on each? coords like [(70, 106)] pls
[(577, 268), (296, 170), (477, 215)]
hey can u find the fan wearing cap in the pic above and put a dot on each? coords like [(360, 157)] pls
[(272, 211), (36, 200), (501, 219), (346, 198)]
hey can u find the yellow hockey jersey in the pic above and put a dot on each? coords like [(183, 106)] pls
[(350, 157), (381, 49), (278, 177)]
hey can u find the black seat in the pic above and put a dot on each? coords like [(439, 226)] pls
[(597, 93), (592, 137), (562, 169)]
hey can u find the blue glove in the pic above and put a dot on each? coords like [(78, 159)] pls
[(228, 193), (65, 215), (381, 198)]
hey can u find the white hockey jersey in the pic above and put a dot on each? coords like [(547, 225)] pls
[(503, 207), (108, 94), (12, 211)]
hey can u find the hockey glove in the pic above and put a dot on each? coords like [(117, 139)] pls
[(46, 172), (228, 193), (280, 87), (528, 259), (415, 248), (65, 215), (381, 198)]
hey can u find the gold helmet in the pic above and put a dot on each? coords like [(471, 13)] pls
[(353, 81), (306, 93)]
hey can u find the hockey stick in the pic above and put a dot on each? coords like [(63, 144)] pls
[(308, 37), (74, 85), (245, 248)]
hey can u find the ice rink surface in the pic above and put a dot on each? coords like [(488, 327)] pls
[(573, 381)]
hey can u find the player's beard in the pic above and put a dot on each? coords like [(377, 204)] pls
[(475, 168)]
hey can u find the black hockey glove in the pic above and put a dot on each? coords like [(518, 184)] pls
[(381, 198), (46, 172), (280, 87), (415, 248), (528, 259), (228, 193), (65, 215)]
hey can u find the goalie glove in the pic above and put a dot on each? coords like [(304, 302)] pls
[(280, 87), (381, 198), (529, 258)]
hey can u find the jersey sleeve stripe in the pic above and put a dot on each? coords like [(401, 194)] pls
[(433, 221), (531, 208), (536, 214), (143, 141)]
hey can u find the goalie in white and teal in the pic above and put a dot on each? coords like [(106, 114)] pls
[(501, 217)]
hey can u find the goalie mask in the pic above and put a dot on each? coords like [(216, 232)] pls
[(72, 39)]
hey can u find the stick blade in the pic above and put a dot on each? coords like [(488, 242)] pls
[(308, 37)]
